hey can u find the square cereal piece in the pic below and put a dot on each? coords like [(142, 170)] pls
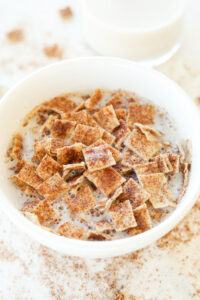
[(94, 99), (86, 134), (115, 153), (83, 201), (54, 145), (45, 129), (174, 161), (121, 113), (29, 205), (147, 168), (121, 132), (138, 143), (107, 180), (131, 159), (135, 193), (53, 186), (80, 117), (45, 213), (48, 167), (143, 114), (142, 217), (77, 168), (116, 101), (70, 154), (150, 132), (15, 151), (108, 138), (112, 198), (163, 162), (103, 225), (98, 158), (62, 128), (73, 231), (122, 169), (28, 175), (122, 215), (61, 104), (107, 119), (47, 146), (157, 187)]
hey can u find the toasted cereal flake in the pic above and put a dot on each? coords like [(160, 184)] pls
[(72, 170), (83, 200), (28, 175), (54, 145), (94, 236), (19, 165), (116, 101), (15, 152), (37, 109), (107, 180), (131, 159), (85, 134), (66, 13), (163, 162), (122, 169), (98, 158), (115, 153), (150, 132), (94, 99), (53, 51), (48, 167), (53, 186), (147, 168), (80, 107), (18, 183), (75, 181), (112, 198), (45, 129), (103, 225), (174, 161), (121, 113), (70, 154), (107, 119), (45, 213), (157, 187), (142, 217), (108, 138), (62, 128), (47, 146), (16, 35), (135, 193), (185, 179), (121, 132), (143, 114), (122, 215), (61, 104), (139, 144), (29, 205), (71, 230)]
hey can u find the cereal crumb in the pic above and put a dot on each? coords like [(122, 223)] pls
[(15, 35), (66, 13), (53, 51)]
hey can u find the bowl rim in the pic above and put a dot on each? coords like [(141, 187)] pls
[(58, 242)]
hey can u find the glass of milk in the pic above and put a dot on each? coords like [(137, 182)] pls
[(147, 31)]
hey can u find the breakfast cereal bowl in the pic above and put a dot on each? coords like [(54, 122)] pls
[(84, 74)]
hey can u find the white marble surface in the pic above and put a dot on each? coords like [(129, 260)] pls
[(168, 269)]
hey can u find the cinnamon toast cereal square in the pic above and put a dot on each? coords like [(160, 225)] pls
[(147, 168), (53, 186), (115, 153), (121, 113), (157, 187), (45, 213), (135, 193), (131, 159), (103, 225), (62, 128), (15, 151), (70, 154), (94, 99), (143, 114), (83, 201), (138, 143), (142, 217), (116, 101), (48, 167), (61, 104), (98, 158), (121, 132), (107, 119), (122, 215), (85, 134), (107, 180), (71, 230), (28, 175), (108, 137)]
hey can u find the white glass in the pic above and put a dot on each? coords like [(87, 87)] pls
[(148, 31)]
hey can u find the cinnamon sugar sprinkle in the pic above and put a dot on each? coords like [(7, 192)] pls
[(83, 162)]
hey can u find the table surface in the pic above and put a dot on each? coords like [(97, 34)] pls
[(168, 269)]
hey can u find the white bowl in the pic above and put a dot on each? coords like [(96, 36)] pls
[(90, 73)]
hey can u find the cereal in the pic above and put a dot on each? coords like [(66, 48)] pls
[(90, 166)]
